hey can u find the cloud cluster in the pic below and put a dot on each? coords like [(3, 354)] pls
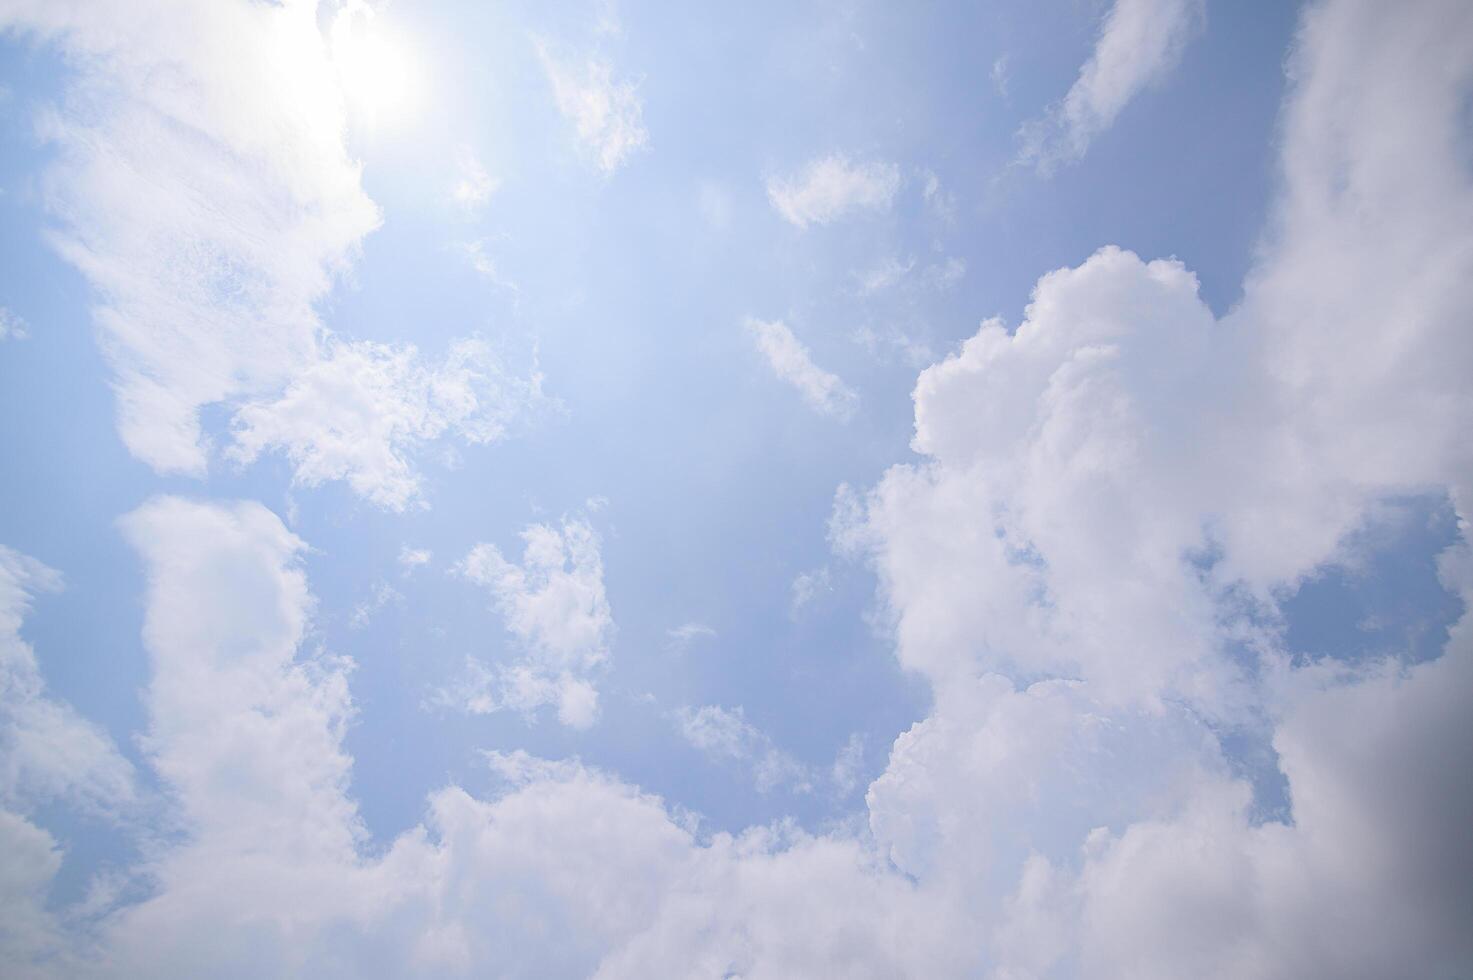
[(358, 413), (1085, 562), (555, 606)]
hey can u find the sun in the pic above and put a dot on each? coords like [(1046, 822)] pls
[(373, 66)]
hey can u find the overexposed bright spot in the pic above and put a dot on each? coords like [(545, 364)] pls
[(374, 67)]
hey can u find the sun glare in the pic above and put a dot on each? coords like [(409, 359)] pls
[(373, 66)]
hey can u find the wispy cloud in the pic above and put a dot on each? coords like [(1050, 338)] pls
[(725, 734), (791, 362), (682, 636), (1140, 42), (832, 187), (606, 112), (473, 186), (12, 327)]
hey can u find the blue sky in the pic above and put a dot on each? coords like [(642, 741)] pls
[(781, 490)]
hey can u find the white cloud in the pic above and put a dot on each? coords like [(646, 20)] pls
[(889, 272), (1140, 42), (848, 765), (12, 327), (203, 187), (606, 113), (413, 558), (473, 186), (682, 636), (207, 202), (1114, 495), (272, 869), (999, 75), (791, 362), (832, 187), (1065, 808), (554, 604), (479, 256), (808, 586), (363, 612), (725, 734), (47, 751), (359, 413), (939, 201)]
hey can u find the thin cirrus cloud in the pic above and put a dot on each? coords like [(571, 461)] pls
[(725, 734), (606, 112), (832, 187), (12, 327), (473, 186), (824, 391), (1139, 43), (209, 216)]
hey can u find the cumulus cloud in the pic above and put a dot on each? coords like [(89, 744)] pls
[(1115, 494), (790, 360), (1139, 43), (606, 112), (1085, 562), (359, 412), (555, 606), (273, 875), (832, 187)]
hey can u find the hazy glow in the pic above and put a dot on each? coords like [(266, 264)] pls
[(374, 67)]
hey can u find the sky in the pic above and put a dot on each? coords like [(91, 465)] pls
[(615, 489)]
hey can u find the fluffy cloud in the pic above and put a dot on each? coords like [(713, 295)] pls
[(831, 187), (554, 604), (1139, 43), (1085, 563), (360, 410), (606, 113), (203, 188), (1115, 494), (790, 360), (270, 872)]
